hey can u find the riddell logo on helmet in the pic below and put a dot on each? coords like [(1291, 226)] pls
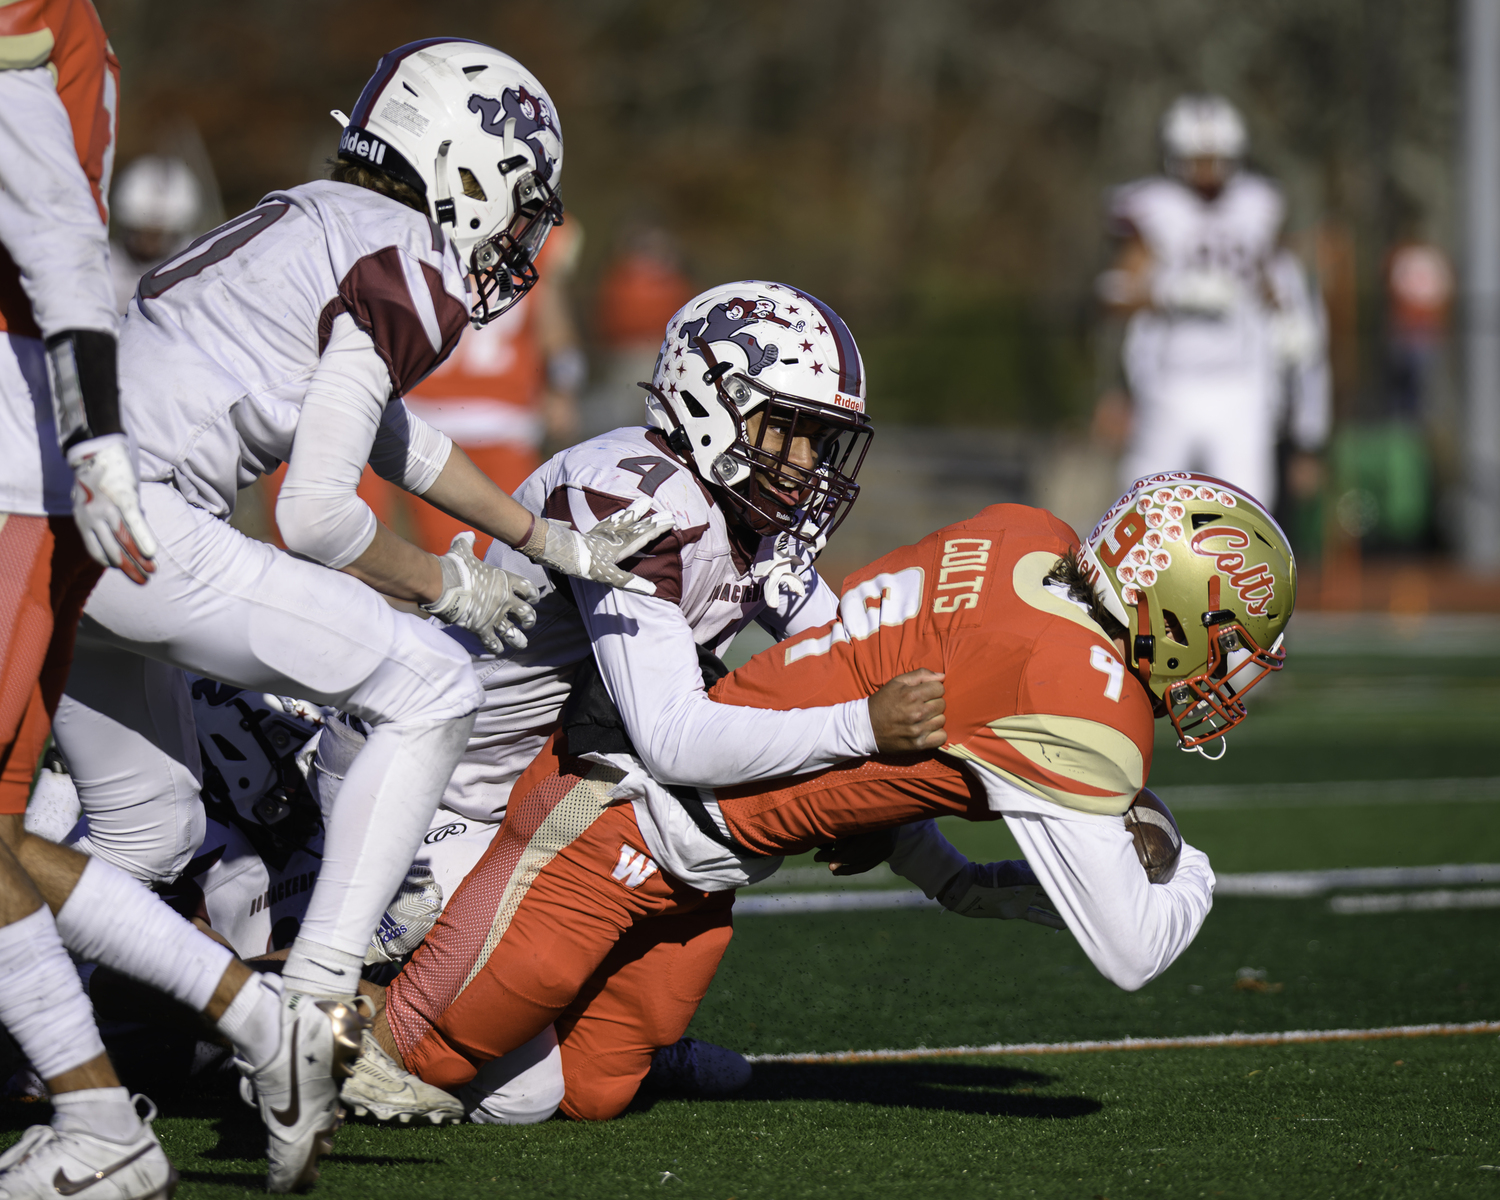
[(1256, 587), (358, 142), (844, 401)]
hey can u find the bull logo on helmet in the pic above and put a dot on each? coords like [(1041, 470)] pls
[(534, 124), (726, 323)]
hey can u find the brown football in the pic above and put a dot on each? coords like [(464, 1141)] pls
[(1157, 839)]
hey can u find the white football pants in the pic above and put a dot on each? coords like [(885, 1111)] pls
[(1220, 423), (523, 1087), (223, 605)]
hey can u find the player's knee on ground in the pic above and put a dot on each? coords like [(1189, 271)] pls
[(524, 1087), (602, 1086)]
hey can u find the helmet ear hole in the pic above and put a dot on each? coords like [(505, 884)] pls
[(1175, 631), (693, 406), (473, 189)]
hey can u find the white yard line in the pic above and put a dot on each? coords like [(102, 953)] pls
[(1276, 885), (1389, 902), (1339, 793), (1290, 1037)]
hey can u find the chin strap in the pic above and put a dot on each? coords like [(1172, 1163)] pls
[(1223, 749), (447, 214)]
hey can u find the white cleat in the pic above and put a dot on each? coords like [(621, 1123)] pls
[(47, 1162), (297, 1091), (381, 1088)]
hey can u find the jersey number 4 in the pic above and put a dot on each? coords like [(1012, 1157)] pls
[(1114, 670)]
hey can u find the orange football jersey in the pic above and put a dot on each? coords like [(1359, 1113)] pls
[(64, 35), (1036, 694)]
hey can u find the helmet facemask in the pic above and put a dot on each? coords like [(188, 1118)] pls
[(1207, 705), (504, 264)]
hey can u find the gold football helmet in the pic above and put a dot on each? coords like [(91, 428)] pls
[(1203, 579)]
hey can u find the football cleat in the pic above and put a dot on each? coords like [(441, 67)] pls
[(382, 1088), (49, 1162), (408, 917), (297, 1091), (689, 1067)]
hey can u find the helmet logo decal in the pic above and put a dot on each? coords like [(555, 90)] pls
[(1255, 587), (534, 122), (726, 322)]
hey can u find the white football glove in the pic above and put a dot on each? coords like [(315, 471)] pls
[(1003, 891), (107, 506), (593, 555), (483, 599), (408, 918)]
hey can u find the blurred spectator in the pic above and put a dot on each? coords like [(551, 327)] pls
[(155, 212), (1222, 325), (640, 291), (1419, 291)]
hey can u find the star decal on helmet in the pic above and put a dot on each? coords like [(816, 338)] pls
[(807, 345), (821, 328), (817, 368)]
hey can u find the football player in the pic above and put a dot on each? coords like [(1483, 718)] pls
[(608, 919), (756, 431), (289, 333), (1221, 319)]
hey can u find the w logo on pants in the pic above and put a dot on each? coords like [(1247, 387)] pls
[(634, 867)]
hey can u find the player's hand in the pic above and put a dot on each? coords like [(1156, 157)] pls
[(1002, 891), (907, 713), (593, 555), (483, 599), (107, 506), (859, 852)]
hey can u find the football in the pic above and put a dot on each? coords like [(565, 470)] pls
[(1157, 839)]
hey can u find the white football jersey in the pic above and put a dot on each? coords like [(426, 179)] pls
[(222, 338), (701, 568), (1232, 237)]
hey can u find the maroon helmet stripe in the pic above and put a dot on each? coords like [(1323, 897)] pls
[(386, 67), (849, 376)]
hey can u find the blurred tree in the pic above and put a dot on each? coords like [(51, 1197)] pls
[(933, 170)]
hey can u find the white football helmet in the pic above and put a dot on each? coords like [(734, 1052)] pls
[(750, 346), (474, 133), (155, 192), (1202, 126)]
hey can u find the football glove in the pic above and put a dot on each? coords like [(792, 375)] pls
[(485, 600), (1004, 891), (107, 506), (408, 918), (593, 555), (859, 852), (1207, 293)]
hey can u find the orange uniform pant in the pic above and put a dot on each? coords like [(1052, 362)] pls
[(564, 921), (45, 578)]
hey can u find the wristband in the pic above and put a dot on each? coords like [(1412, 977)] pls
[(535, 540)]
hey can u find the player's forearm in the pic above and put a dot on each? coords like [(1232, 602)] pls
[(49, 221), (466, 493), (649, 663), (394, 567)]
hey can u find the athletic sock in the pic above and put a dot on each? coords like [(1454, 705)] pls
[(253, 1021), (112, 919), (105, 1112), (322, 971), (41, 1000)]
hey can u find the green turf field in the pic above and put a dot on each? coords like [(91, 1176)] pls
[(1395, 1118)]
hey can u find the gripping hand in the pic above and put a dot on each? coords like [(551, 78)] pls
[(483, 599), (107, 506), (593, 555), (1005, 891), (859, 852)]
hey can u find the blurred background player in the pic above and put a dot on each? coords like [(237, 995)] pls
[(157, 205), (1223, 332), (641, 288)]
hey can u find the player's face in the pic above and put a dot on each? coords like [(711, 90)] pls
[(1207, 174), (808, 441)]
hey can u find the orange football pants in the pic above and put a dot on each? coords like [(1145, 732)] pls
[(45, 577), (565, 921)]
